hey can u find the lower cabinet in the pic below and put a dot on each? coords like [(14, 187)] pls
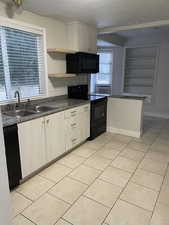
[(32, 145), (77, 125), (84, 118), (44, 139), (54, 130)]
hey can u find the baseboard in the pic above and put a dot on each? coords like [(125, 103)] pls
[(158, 115), (124, 132)]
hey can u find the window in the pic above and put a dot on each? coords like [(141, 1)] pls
[(101, 82), (140, 66), (105, 71), (21, 63)]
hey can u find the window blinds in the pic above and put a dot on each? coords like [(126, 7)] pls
[(21, 63), (2, 78), (140, 68)]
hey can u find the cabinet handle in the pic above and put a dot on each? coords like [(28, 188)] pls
[(73, 124), (47, 121), (73, 140), (73, 113)]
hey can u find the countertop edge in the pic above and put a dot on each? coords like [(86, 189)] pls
[(9, 121)]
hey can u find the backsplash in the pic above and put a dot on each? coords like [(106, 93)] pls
[(58, 86)]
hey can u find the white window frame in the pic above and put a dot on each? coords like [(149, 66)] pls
[(93, 76), (36, 30), (149, 97)]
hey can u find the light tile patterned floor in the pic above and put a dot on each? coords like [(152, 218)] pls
[(113, 180)]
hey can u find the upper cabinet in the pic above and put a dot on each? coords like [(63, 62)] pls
[(82, 37)]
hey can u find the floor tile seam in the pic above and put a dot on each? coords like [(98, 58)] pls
[(124, 188), (77, 199), (138, 206), (94, 200), (132, 159), (60, 199), (149, 171), (75, 179), (81, 194), (158, 195), (105, 167), (28, 219), (124, 170), (104, 157), (65, 221), (33, 201), (134, 182), (46, 192), (18, 192), (88, 188), (83, 156)]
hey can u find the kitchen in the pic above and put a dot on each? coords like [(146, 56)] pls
[(61, 153)]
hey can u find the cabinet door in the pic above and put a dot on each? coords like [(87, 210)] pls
[(32, 145), (55, 143), (83, 38), (92, 40), (84, 119)]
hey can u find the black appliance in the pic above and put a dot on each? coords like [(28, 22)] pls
[(98, 117), (98, 110), (82, 63), (12, 155)]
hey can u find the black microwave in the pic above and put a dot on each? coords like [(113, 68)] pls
[(82, 62)]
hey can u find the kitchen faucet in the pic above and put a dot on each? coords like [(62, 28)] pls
[(17, 95)]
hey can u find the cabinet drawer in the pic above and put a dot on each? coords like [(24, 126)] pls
[(72, 113), (72, 143), (85, 108), (72, 129)]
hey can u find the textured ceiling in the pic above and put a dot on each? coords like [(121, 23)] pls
[(103, 13)]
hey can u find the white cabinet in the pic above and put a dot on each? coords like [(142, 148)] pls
[(82, 37), (54, 130), (72, 126), (44, 139), (32, 145), (77, 125), (84, 119)]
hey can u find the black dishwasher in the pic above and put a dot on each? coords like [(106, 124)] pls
[(12, 155)]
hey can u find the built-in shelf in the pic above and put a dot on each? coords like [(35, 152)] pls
[(61, 75), (60, 50)]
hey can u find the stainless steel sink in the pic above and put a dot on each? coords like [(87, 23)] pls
[(44, 108), (20, 113), (29, 111)]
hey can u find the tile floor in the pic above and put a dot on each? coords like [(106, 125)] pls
[(113, 180)]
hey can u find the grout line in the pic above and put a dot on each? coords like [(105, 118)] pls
[(28, 219), (65, 221), (56, 197), (150, 188), (130, 203), (159, 194), (126, 184), (89, 185), (94, 200)]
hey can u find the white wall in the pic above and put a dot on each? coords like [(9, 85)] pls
[(56, 33), (5, 207), (159, 105), (117, 78)]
